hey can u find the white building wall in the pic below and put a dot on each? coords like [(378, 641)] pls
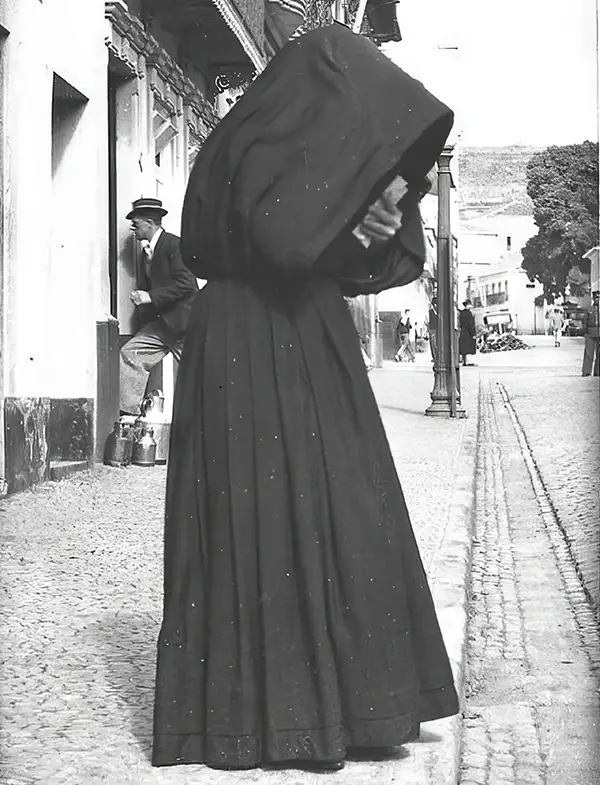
[(527, 318), (54, 231), (484, 240), (491, 253)]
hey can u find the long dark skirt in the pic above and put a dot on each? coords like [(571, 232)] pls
[(466, 342), (297, 615)]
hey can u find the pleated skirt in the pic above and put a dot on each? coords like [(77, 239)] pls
[(297, 616)]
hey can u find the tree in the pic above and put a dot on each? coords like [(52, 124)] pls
[(563, 185), (578, 282)]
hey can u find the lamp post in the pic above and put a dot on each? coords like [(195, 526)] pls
[(445, 396)]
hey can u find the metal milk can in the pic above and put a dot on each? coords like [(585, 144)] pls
[(153, 413), (117, 451), (154, 403), (144, 446)]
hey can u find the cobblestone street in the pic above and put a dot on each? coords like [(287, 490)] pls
[(80, 580), (559, 412), (248, 211), (81, 608), (532, 710)]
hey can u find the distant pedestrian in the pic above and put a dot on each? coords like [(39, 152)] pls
[(414, 336), (165, 299), (556, 321), (362, 326), (482, 338), (399, 331), (467, 340), (433, 328), (592, 348), (403, 331)]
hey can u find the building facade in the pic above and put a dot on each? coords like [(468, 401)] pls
[(53, 233), (491, 275), (507, 299), (102, 103), (169, 83), (119, 98), (496, 220)]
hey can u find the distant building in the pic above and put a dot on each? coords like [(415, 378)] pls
[(496, 220), (506, 298), (593, 256)]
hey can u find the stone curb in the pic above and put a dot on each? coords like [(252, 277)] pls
[(450, 581), (434, 760)]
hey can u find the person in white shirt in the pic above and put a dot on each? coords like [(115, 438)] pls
[(556, 318)]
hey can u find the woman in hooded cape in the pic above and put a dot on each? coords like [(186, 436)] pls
[(298, 621)]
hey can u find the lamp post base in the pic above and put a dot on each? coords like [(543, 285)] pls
[(442, 403), (443, 408)]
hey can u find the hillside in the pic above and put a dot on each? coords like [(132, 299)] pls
[(494, 179)]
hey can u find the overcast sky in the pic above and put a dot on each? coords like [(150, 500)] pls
[(522, 72)]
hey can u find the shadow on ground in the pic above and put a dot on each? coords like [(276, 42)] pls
[(417, 412), (128, 642)]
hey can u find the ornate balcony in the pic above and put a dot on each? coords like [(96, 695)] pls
[(226, 35), (497, 298)]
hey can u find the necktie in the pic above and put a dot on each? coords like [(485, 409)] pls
[(148, 258)]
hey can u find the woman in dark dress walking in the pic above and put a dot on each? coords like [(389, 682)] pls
[(298, 622), (467, 342)]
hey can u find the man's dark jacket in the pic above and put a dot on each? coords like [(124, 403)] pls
[(172, 287), (402, 328), (467, 343)]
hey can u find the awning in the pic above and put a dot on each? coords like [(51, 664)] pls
[(236, 24), (229, 33), (498, 317)]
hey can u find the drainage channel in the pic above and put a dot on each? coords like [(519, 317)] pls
[(579, 598)]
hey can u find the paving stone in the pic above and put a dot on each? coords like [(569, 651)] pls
[(528, 775), (477, 774), (526, 601), (475, 760), (81, 582)]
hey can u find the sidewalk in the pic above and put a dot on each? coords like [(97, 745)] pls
[(80, 582)]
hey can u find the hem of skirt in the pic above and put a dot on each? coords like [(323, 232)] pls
[(311, 744), (438, 703), (316, 745)]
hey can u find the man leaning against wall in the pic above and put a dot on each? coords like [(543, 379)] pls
[(165, 301)]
